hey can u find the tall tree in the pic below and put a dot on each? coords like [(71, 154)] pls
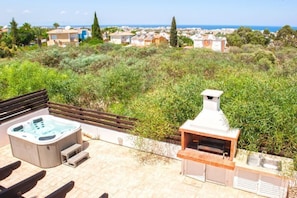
[(56, 25), (245, 35), (14, 31), (26, 34), (173, 33), (96, 32), (39, 34), (287, 36)]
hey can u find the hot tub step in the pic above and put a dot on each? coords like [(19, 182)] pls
[(69, 152), (73, 161)]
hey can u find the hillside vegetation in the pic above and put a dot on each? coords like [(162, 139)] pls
[(161, 87)]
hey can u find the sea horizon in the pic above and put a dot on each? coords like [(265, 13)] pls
[(186, 26)]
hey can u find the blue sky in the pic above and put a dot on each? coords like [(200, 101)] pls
[(121, 12)]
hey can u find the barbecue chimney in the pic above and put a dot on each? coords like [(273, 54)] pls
[(211, 118)]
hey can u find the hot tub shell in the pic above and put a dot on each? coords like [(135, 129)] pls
[(45, 154)]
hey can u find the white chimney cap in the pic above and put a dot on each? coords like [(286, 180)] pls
[(212, 92)]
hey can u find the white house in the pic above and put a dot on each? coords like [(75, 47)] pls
[(209, 41), (138, 40), (121, 37)]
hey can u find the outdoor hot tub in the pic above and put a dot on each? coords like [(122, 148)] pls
[(41, 139)]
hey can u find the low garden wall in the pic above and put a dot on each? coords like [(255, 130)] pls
[(124, 139)]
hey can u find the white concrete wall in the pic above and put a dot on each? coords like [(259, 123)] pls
[(131, 141), (137, 42), (198, 44), (115, 39), (217, 45), (4, 140), (126, 39)]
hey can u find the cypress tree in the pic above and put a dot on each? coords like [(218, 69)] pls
[(173, 33), (14, 31), (96, 32)]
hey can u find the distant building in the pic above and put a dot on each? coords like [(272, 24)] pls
[(160, 39), (138, 40), (63, 37), (121, 37), (209, 41), (146, 39), (83, 34), (5, 29)]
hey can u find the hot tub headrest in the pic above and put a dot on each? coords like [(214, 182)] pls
[(47, 137), (18, 128), (37, 120)]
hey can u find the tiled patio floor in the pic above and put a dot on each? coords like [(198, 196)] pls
[(119, 171)]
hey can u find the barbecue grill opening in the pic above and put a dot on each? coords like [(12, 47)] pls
[(209, 144)]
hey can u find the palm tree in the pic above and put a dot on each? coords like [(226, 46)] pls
[(38, 35)]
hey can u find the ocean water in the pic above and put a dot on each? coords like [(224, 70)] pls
[(205, 27)]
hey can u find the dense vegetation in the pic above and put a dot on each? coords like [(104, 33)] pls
[(161, 86), (286, 36)]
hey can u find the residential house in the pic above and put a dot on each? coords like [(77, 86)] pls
[(138, 40), (4, 30), (146, 39), (63, 37), (160, 39), (209, 41), (83, 34), (121, 37)]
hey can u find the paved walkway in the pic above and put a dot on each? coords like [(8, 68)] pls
[(119, 171)]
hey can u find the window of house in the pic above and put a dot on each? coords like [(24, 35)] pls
[(53, 37), (73, 36)]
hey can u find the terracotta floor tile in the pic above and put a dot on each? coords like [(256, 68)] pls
[(120, 172)]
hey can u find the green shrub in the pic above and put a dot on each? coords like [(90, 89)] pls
[(269, 56), (21, 78), (92, 41), (108, 47), (82, 63), (262, 108), (152, 122), (102, 61), (6, 51), (250, 48), (235, 50), (182, 100), (285, 54), (120, 83), (50, 57)]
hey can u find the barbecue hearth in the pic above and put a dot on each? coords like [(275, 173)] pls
[(209, 134)]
